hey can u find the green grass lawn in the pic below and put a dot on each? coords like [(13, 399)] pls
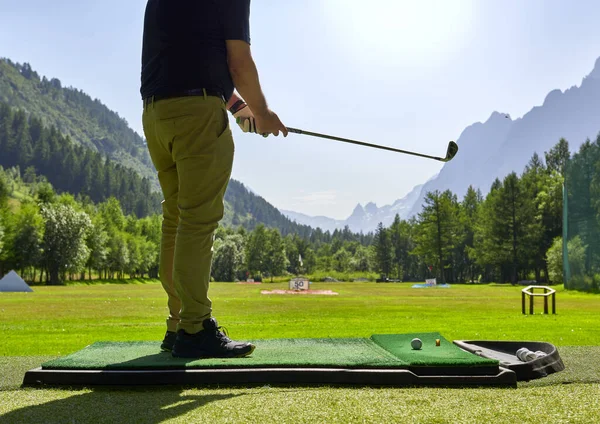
[(55, 321)]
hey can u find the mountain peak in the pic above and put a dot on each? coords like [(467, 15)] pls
[(498, 117), (552, 96), (358, 208), (358, 212), (595, 74), (371, 208)]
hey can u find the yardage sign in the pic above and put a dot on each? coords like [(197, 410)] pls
[(299, 284)]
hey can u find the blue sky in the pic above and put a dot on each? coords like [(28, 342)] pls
[(409, 74)]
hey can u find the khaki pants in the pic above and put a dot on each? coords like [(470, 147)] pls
[(191, 146)]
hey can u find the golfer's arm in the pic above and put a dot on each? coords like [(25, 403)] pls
[(245, 76), (233, 100)]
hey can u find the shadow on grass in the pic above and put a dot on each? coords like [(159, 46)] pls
[(110, 405), (162, 360)]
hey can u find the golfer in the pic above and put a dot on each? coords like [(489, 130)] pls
[(194, 54)]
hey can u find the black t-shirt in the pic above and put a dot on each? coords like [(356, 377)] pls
[(184, 44)]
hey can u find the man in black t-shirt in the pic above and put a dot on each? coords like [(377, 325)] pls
[(195, 54)]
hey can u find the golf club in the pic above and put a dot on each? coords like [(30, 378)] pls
[(450, 153)]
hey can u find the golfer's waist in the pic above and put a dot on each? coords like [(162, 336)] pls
[(185, 93)]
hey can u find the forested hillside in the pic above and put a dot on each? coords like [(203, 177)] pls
[(249, 210), (74, 114), (38, 150)]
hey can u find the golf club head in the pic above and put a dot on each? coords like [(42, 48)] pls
[(452, 151)]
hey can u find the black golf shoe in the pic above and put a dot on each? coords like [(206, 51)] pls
[(209, 343), (168, 341)]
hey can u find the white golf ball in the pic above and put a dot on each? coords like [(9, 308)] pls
[(416, 343)]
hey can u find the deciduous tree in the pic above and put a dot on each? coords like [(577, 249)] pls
[(64, 240)]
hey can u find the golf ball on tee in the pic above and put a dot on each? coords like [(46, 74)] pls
[(416, 343)]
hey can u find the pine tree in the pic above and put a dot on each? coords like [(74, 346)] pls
[(383, 250), (468, 218), (558, 157), (437, 231)]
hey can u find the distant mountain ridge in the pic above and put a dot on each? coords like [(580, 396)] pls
[(364, 218), (500, 146), (491, 150)]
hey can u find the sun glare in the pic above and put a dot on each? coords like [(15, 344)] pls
[(402, 30)]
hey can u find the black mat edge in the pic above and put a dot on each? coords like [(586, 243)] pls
[(259, 376), (421, 370), (525, 371)]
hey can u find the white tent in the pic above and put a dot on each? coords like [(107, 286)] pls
[(13, 283)]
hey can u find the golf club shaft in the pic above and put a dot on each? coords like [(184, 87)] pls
[(362, 143)]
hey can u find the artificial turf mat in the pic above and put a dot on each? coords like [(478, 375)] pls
[(380, 351), (268, 353), (430, 355)]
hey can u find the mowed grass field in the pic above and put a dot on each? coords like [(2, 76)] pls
[(55, 321)]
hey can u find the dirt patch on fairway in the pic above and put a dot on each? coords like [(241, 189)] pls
[(324, 292)]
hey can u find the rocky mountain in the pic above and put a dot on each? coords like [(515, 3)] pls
[(493, 149), (501, 145)]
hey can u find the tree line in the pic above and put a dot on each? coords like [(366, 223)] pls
[(513, 233), (52, 238)]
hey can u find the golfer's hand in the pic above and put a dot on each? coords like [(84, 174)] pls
[(269, 123), (245, 119)]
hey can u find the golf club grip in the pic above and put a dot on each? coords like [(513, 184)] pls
[(361, 143)]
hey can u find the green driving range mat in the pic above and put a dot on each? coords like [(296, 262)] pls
[(430, 355), (390, 351), (381, 360), (268, 353)]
